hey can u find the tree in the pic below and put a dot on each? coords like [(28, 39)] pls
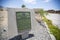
[(1, 8), (42, 13), (23, 6)]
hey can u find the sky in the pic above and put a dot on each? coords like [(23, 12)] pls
[(44, 4)]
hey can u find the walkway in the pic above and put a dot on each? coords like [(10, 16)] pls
[(40, 32)]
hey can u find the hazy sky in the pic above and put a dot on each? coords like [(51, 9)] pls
[(45, 4)]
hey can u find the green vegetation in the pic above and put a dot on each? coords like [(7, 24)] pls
[(42, 12), (23, 6), (53, 29)]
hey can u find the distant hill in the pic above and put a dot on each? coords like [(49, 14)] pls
[(49, 11), (53, 11)]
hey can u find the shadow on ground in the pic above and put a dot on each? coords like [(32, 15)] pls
[(20, 38)]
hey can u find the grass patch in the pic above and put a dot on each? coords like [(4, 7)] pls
[(53, 29)]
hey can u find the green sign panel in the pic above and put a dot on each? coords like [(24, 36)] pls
[(23, 21)]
